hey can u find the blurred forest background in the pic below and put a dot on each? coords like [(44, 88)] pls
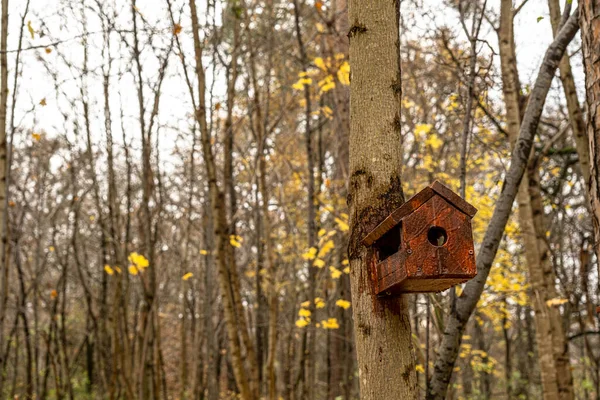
[(173, 199)]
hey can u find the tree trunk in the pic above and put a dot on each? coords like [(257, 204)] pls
[(549, 330), (573, 106), (384, 346), (590, 38), (311, 211), (544, 289), (3, 169), (227, 277)]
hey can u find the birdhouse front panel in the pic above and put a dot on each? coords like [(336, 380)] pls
[(439, 247), (426, 245)]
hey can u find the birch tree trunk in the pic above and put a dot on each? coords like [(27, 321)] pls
[(381, 326), (589, 20)]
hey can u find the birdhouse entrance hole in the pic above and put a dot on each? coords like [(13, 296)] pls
[(437, 236), (388, 244)]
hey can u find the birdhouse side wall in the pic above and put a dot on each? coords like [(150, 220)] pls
[(390, 273)]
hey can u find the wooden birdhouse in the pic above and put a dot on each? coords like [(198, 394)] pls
[(426, 245)]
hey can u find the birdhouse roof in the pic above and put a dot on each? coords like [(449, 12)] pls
[(414, 203)]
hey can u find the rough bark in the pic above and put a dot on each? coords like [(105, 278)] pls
[(590, 38), (382, 327), (466, 303)]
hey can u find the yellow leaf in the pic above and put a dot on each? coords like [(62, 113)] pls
[(331, 323), (301, 82), (327, 236), (43, 102), (301, 323), (422, 130), (117, 269), (187, 276), (92, 218), (138, 260), (407, 103), (30, 29), (109, 270), (451, 106), (326, 248), (345, 262), (344, 73), (310, 254), (133, 270), (204, 252), (51, 248), (346, 270), (320, 63), (345, 304), (420, 368), (327, 84), (303, 312), (322, 232), (305, 304), (319, 263), (36, 136), (236, 241), (320, 27), (48, 50), (53, 294), (342, 225), (250, 274), (177, 29), (452, 102), (319, 303), (556, 302), (434, 141), (335, 273)]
